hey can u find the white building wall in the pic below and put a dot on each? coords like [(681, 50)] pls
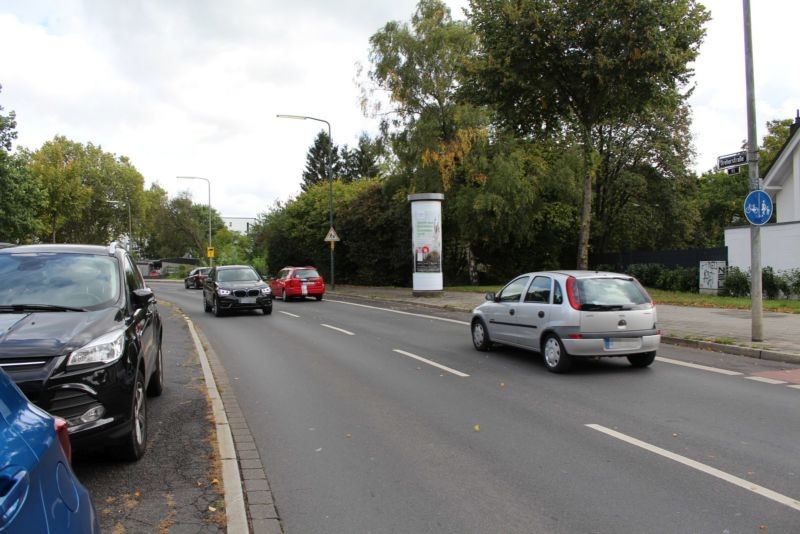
[(780, 246)]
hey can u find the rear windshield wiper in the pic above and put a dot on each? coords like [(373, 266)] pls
[(10, 308), (603, 307)]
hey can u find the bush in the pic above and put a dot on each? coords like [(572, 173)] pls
[(774, 284), (793, 281), (737, 283), (679, 279), (647, 273)]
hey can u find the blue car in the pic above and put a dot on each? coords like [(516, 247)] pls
[(38, 490)]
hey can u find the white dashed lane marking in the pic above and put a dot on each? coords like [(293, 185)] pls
[(722, 475), (342, 330), (431, 362)]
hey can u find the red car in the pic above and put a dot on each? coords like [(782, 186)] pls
[(299, 282)]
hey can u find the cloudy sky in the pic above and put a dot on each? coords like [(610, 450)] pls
[(192, 87)]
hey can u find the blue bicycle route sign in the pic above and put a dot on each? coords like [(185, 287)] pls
[(758, 207)]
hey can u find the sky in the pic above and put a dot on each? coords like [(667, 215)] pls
[(193, 87)]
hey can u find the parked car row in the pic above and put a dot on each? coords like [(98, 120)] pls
[(566, 315), (80, 335)]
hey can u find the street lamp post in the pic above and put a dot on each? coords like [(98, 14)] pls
[(209, 206), (330, 179), (130, 232)]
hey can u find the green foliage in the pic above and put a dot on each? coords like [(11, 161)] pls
[(737, 283), (774, 284), (719, 201), (321, 155), (551, 65)]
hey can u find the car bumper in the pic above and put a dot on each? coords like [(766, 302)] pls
[(611, 346), (243, 303), (309, 292)]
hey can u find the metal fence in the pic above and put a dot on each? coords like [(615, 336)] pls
[(667, 258)]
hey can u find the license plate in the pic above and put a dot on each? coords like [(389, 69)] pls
[(622, 343), (247, 300), (305, 289)]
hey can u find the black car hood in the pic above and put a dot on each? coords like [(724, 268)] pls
[(52, 333)]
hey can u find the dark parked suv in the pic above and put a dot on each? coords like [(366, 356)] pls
[(80, 334), (235, 287)]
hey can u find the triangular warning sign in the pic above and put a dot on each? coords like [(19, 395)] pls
[(332, 235)]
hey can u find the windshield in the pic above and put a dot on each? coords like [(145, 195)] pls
[(58, 279), (245, 274)]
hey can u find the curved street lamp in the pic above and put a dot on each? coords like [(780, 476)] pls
[(209, 206), (330, 178)]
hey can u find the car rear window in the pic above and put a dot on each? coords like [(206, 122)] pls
[(611, 293), (58, 279), (306, 273)]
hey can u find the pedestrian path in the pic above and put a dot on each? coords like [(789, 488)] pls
[(724, 330)]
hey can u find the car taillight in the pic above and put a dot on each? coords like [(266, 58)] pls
[(575, 336), (62, 433), (573, 293)]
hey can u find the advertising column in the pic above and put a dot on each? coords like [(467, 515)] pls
[(426, 242)]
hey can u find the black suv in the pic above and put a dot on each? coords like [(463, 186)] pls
[(80, 334), (235, 287)]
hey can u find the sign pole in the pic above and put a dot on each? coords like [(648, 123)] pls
[(756, 297)]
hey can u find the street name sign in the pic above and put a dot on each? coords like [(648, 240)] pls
[(758, 207), (732, 160)]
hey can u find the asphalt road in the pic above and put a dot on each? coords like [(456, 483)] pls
[(358, 435)]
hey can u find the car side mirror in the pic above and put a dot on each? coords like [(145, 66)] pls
[(142, 297), (491, 296)]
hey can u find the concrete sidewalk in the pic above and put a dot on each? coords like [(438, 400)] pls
[(722, 330)]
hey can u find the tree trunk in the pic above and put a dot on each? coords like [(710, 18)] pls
[(586, 210)]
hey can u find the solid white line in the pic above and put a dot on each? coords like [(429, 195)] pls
[(736, 481), (429, 362), (289, 314), (235, 513), (765, 380), (454, 321), (338, 329), (697, 366)]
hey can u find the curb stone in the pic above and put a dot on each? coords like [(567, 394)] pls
[(248, 498)]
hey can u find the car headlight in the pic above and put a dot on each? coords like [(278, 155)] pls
[(105, 349), (223, 292), (266, 290)]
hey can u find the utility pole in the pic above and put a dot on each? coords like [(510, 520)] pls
[(756, 297)]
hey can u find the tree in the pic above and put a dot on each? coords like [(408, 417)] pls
[(58, 165), (551, 65), (363, 161), (21, 196), (773, 141), (317, 160)]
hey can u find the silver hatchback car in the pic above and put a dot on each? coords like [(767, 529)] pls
[(569, 314)]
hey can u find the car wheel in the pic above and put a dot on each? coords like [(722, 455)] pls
[(156, 385), (556, 357), (480, 335), (186, 284), (215, 309), (642, 360), (267, 309), (319, 297), (206, 306), (135, 442)]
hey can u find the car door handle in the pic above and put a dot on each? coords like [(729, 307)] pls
[(541, 313), (14, 484), (511, 311)]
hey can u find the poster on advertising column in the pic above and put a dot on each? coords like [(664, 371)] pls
[(426, 240)]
